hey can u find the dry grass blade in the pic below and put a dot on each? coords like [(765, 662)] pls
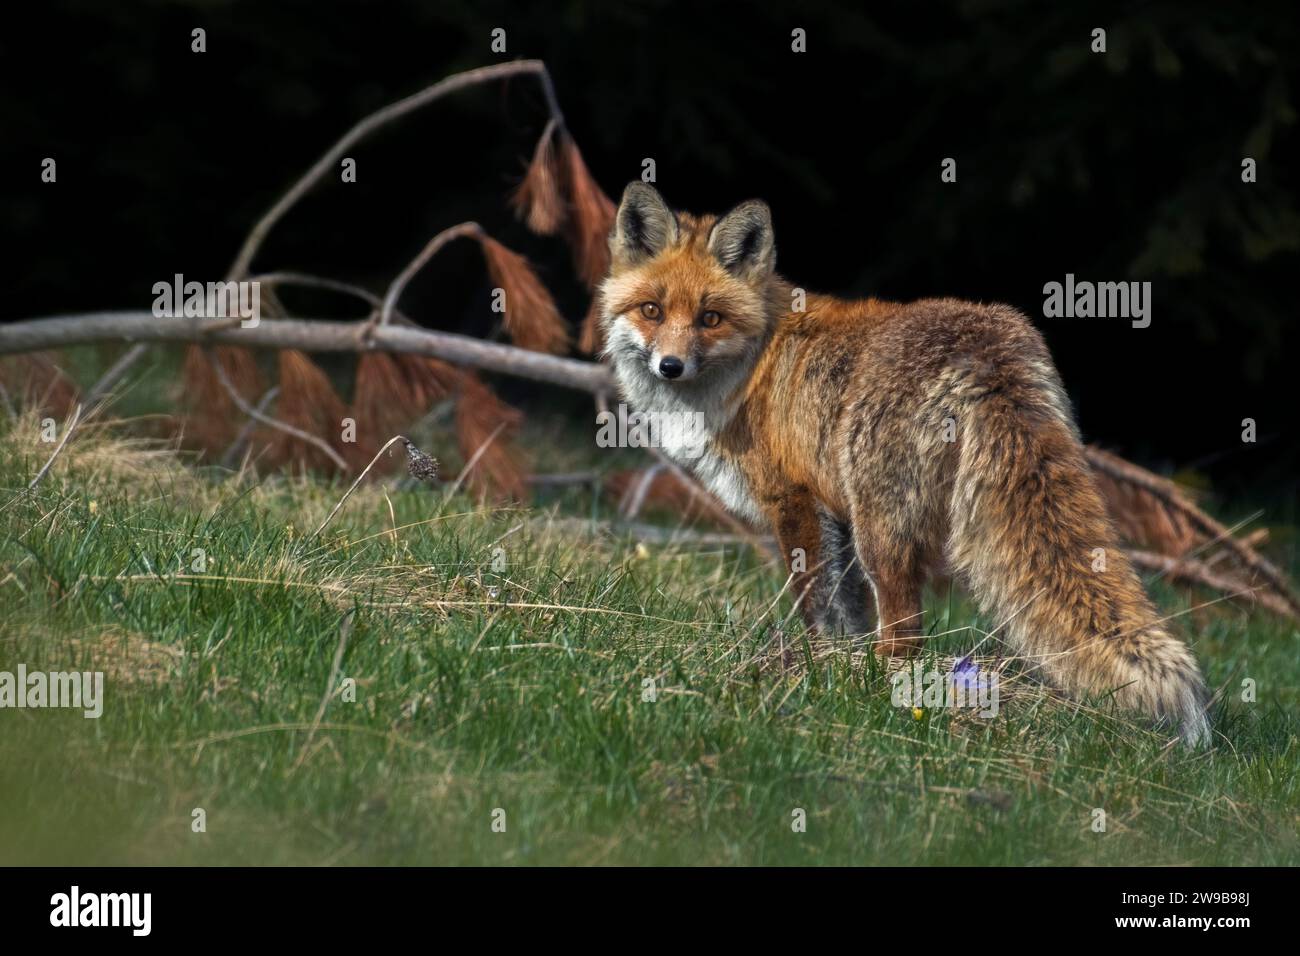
[(345, 628), (426, 472), (532, 320), (69, 427)]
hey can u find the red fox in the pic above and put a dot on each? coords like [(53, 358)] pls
[(882, 441)]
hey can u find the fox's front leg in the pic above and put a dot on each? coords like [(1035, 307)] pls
[(794, 517)]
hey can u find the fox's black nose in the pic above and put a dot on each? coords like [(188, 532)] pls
[(670, 366)]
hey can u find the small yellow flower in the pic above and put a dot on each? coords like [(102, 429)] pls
[(917, 713), (642, 552), (94, 506)]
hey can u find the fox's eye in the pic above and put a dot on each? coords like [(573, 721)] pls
[(711, 319), (650, 310)]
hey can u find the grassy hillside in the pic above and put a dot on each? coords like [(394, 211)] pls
[(499, 660)]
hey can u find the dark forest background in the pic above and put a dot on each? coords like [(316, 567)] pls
[(1122, 166)]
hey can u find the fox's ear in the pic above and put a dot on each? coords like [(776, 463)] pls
[(743, 242), (644, 225)]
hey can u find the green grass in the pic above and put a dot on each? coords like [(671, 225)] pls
[(522, 690)]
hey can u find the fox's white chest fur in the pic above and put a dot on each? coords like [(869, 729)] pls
[(721, 476)]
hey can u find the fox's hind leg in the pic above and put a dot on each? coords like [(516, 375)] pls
[(896, 572), (842, 601)]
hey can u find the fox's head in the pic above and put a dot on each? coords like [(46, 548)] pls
[(687, 297)]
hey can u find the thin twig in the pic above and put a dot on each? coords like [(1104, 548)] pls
[(329, 161), (635, 495), (464, 229), (267, 420), (115, 372), (1192, 571), (244, 433), (564, 478)]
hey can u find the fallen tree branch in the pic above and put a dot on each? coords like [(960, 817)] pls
[(765, 545), (328, 162), (309, 335), (566, 479), (594, 378), (1167, 493), (1193, 571)]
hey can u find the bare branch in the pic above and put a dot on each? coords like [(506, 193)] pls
[(1192, 571), (323, 166), (263, 404), (465, 229), (115, 372), (267, 420), (309, 335), (1166, 492), (327, 163)]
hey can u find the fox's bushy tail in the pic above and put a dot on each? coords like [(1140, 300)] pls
[(1030, 531)]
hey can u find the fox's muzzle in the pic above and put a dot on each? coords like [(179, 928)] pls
[(670, 366), (673, 368)]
